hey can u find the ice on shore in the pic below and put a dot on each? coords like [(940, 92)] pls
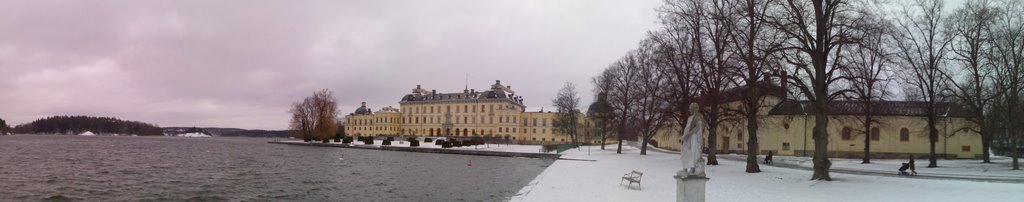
[(193, 135)]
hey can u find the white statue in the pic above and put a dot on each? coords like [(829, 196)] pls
[(693, 143)]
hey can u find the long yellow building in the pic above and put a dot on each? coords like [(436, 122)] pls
[(497, 113), (785, 128)]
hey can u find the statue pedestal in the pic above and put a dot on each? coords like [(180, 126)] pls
[(690, 188)]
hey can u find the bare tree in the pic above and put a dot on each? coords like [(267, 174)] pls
[(315, 118), (1008, 60), (869, 76), (651, 112), (707, 30), (971, 29), (677, 63), (621, 79), (816, 30), (754, 43), (566, 121), (922, 47), (602, 114)]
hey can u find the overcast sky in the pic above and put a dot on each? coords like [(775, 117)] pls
[(242, 63)]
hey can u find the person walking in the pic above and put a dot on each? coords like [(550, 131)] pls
[(913, 171)]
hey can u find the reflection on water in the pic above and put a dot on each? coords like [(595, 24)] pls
[(172, 168)]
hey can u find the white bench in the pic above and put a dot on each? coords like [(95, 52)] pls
[(632, 177)]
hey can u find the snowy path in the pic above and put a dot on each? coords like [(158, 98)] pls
[(951, 170), (599, 181)]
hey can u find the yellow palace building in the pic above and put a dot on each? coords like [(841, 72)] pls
[(497, 113), (785, 128)]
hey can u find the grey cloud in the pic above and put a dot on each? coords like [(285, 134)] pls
[(241, 63)]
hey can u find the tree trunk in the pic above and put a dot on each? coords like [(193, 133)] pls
[(712, 143), (867, 139), (752, 145), (621, 131), (643, 144), (986, 143), (933, 137), (604, 134), (820, 159)]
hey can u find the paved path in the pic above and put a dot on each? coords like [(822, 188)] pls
[(969, 177)]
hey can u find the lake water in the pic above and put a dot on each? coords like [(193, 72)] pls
[(73, 168)]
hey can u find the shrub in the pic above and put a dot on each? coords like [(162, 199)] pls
[(386, 142), (389, 139), (439, 142), (456, 143), (347, 140), (337, 138), (410, 139), (325, 140), (428, 139), (445, 144), (414, 143)]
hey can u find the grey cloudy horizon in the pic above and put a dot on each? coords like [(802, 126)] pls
[(242, 63)]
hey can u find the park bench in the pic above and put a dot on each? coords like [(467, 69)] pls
[(632, 177)]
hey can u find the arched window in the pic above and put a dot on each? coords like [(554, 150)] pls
[(846, 133), (875, 134), (904, 135)]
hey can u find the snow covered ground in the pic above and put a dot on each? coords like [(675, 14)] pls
[(569, 180), (999, 168), (87, 133), (487, 147)]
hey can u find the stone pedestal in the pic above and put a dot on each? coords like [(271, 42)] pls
[(690, 188)]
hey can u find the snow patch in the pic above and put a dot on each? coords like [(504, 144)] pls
[(88, 133), (193, 135)]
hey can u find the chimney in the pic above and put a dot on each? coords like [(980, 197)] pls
[(433, 91), (509, 87), (364, 103), (497, 81), (418, 86)]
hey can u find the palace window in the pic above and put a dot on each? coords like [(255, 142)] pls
[(785, 146), (846, 133), (904, 135), (965, 148), (875, 134)]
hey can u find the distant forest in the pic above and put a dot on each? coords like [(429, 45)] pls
[(81, 124), (4, 128)]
